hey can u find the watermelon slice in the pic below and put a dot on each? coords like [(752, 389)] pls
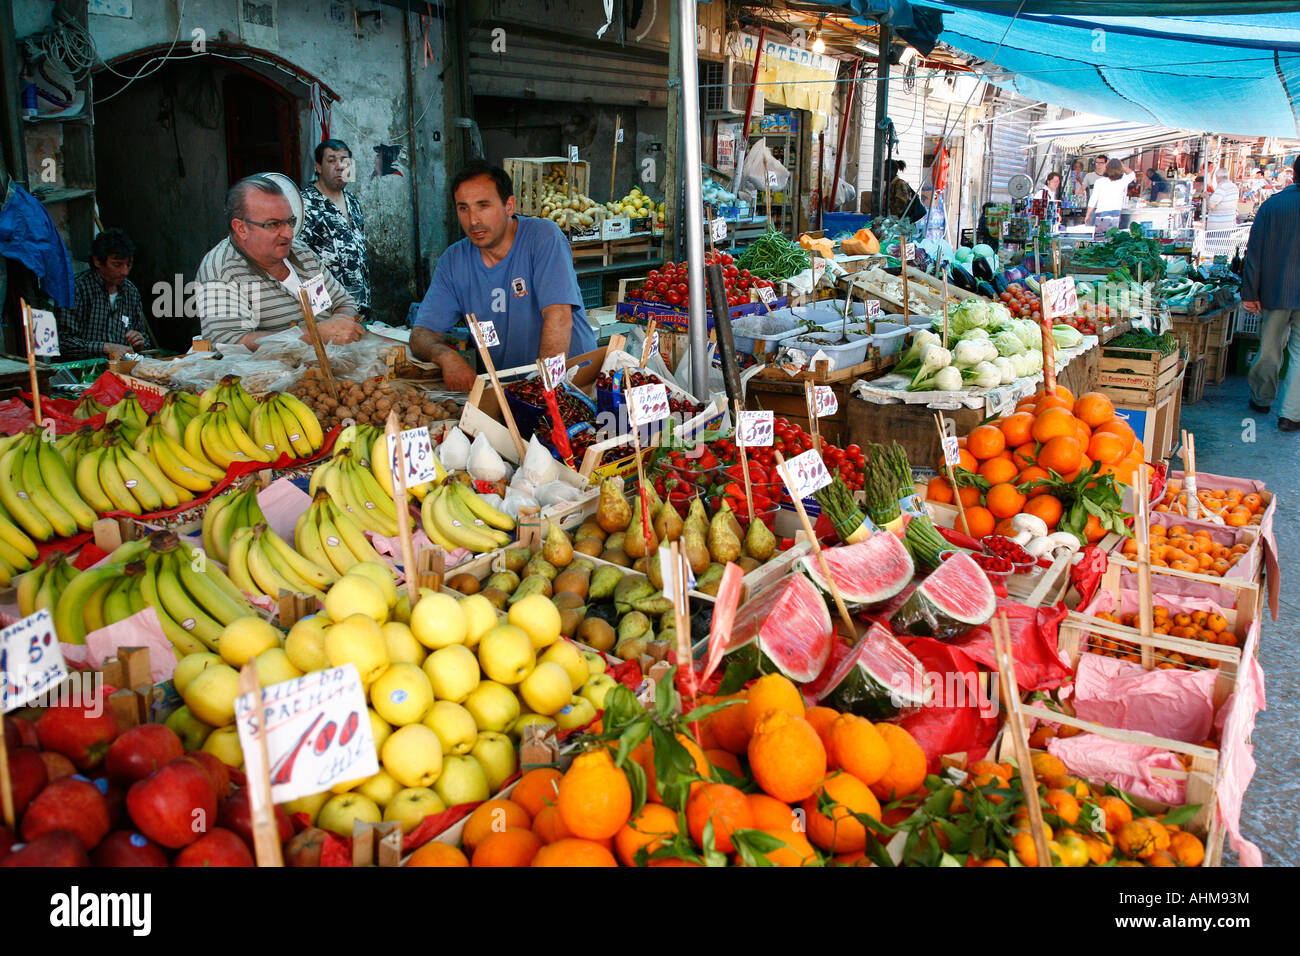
[(786, 629), (954, 598), (868, 572), (877, 678)]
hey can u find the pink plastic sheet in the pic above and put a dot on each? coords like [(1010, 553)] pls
[(139, 630), (1123, 765), (1237, 754), (1173, 703)]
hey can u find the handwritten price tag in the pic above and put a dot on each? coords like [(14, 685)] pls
[(317, 731), (805, 474), (755, 429), (647, 403), (718, 229), (31, 661), (45, 332), (818, 269), (618, 136), (320, 299), (824, 401), (416, 457), (951, 451), (553, 369), (874, 310), (666, 569), (771, 180), (487, 335), (1060, 297), (573, 154), (767, 294)]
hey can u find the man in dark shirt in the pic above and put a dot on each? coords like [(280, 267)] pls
[(333, 225), (1160, 188), (107, 317), (1270, 286)]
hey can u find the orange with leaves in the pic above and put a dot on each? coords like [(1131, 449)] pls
[(771, 814), (644, 754), (728, 724), (651, 828), (786, 756), (840, 831), (772, 692), (907, 764), (856, 746), (595, 798), (797, 851), (726, 807), (536, 789)]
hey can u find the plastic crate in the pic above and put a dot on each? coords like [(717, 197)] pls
[(590, 289), (834, 223), (1247, 323)]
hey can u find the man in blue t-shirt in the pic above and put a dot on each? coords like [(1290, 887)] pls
[(513, 271)]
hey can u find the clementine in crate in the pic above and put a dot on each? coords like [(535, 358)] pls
[(821, 719), (514, 846), (969, 496), (492, 816), (907, 764), (536, 789), (1025, 455), (771, 814), (726, 807), (939, 490), (1106, 447), (797, 851), (1031, 474), (1053, 423), (786, 756), (645, 756), (1053, 401), (595, 798), (839, 831), (1121, 428), (977, 522), (857, 746), (1093, 409), (966, 460), (725, 760), (1045, 506), (434, 853), (998, 470), (1017, 429), (1063, 393), (985, 441), (1005, 500), (728, 724)]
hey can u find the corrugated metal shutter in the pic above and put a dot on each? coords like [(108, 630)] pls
[(559, 70), (1011, 146), (908, 111)]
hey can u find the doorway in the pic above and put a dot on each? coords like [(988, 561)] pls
[(261, 128)]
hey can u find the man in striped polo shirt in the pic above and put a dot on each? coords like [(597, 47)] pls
[(250, 280)]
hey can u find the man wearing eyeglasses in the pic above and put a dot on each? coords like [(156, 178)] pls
[(251, 279)]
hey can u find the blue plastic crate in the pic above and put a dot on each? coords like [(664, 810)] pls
[(590, 288), (835, 223)]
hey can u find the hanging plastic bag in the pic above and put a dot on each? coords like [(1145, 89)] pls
[(763, 170)]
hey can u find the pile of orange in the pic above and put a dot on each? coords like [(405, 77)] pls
[(1083, 826), (1237, 508), (583, 816), (1184, 550), (1208, 626), (1046, 432)]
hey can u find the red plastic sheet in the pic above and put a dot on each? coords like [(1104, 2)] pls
[(1033, 634), (959, 718), (15, 415)]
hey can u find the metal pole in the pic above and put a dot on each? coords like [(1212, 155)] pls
[(672, 245), (880, 173), (418, 270), (694, 196)]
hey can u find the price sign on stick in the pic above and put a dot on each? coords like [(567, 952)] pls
[(666, 569), (647, 403), (31, 662), (1059, 298), (320, 299), (874, 311), (824, 401), (718, 229), (771, 180), (487, 335), (45, 332), (806, 473), (951, 451), (818, 269), (416, 457), (317, 731), (553, 369), (573, 154), (755, 429), (767, 294)]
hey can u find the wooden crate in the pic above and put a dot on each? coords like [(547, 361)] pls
[(1194, 381), (1135, 376), (1216, 364), (1221, 324), (1194, 336), (787, 400), (529, 173), (823, 374), (1197, 305), (1155, 423)]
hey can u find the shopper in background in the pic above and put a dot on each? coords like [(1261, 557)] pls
[(333, 226), (1108, 196), (107, 318), (1076, 187), (1221, 208), (1159, 186), (1051, 188), (1270, 287), (903, 200), (1098, 171)]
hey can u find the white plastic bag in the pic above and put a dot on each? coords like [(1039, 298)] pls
[(484, 462), (539, 465), (763, 170), (454, 450), (553, 492)]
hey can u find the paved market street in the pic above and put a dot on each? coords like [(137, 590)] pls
[(1218, 421)]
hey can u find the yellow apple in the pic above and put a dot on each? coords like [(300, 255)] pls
[(402, 612), (546, 689), (496, 755), (223, 743), (380, 788), (480, 617), (438, 621), (454, 726), (355, 594), (401, 695), (211, 694), (245, 638), (274, 667), (493, 706), (309, 805), (597, 686), (339, 812), (538, 617), (413, 755), (190, 666), (566, 654), (526, 720), (578, 712), (358, 640), (379, 575), (595, 663), (506, 654), (402, 645), (409, 807), (453, 671), (462, 781), (305, 644), (379, 729)]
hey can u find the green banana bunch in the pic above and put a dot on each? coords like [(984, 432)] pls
[(329, 537), (282, 425), (130, 413), (177, 410), (227, 513), (76, 444), (229, 392), (88, 407), (356, 491), (261, 562), (41, 586), (37, 491), (359, 439), (455, 517), (177, 465)]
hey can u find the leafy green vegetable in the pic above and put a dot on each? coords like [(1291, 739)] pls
[(1126, 248)]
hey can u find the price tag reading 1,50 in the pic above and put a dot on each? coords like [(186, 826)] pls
[(805, 474), (553, 369), (824, 401), (1060, 297), (647, 403), (487, 335), (31, 661), (755, 429), (416, 456)]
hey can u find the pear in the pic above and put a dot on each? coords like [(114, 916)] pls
[(616, 541), (641, 565), (613, 513), (558, 548), (603, 582), (616, 556), (591, 546), (653, 500), (696, 549), (533, 584), (538, 566), (668, 523), (710, 575), (631, 648), (597, 633), (496, 597), (566, 599), (655, 604), (634, 624), (723, 540), (654, 571), (635, 544), (503, 581), (697, 513), (516, 559), (669, 636), (572, 580), (570, 618), (631, 589), (732, 520), (590, 528), (760, 543), (748, 563)]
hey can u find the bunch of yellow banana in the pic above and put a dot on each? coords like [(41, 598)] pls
[(37, 490), (217, 435), (117, 477), (17, 550), (261, 562), (225, 514), (177, 410), (358, 438), (330, 538), (76, 444), (231, 393), (356, 491), (283, 425), (131, 414), (381, 467), (455, 517), (41, 586), (183, 470), (88, 407)]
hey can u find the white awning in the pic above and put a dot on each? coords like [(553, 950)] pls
[(1086, 133)]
